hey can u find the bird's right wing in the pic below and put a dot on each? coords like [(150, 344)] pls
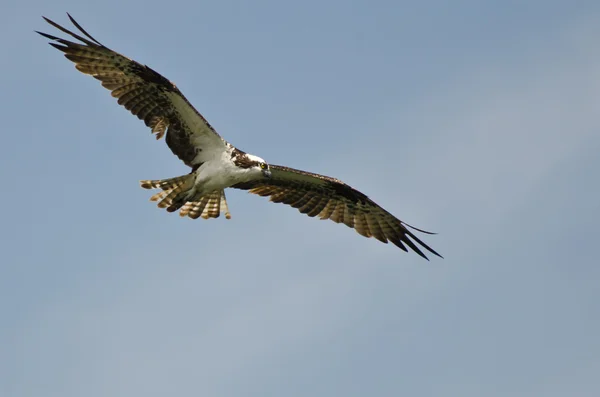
[(145, 93), (329, 198)]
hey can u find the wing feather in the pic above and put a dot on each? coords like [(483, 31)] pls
[(318, 206), (144, 92), (330, 198)]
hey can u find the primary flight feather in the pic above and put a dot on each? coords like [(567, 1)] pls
[(216, 164)]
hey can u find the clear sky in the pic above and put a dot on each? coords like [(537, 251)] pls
[(475, 119)]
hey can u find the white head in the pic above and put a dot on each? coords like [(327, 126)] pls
[(252, 164), (260, 164)]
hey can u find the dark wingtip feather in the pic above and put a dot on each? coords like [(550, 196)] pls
[(396, 241), (46, 35), (67, 31), (428, 248), (59, 47), (82, 30), (414, 247), (417, 229)]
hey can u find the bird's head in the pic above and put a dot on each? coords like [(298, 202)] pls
[(260, 165)]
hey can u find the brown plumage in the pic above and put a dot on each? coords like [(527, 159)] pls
[(144, 92), (329, 198)]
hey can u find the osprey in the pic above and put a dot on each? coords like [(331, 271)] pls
[(215, 163)]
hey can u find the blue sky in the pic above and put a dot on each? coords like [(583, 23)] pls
[(474, 119)]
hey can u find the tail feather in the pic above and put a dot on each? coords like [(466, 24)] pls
[(176, 191), (208, 206), (198, 207), (213, 207), (166, 184), (160, 195), (188, 207), (224, 207), (172, 198)]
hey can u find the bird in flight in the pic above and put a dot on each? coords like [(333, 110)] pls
[(215, 163)]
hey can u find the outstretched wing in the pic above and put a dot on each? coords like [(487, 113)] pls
[(330, 198), (145, 93)]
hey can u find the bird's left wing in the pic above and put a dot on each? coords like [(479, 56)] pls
[(330, 198), (144, 92)]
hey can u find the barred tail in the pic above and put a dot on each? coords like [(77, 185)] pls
[(208, 206), (166, 184), (176, 192)]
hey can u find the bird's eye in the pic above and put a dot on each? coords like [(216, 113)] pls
[(263, 166)]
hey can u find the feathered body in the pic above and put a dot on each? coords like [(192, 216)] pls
[(216, 164)]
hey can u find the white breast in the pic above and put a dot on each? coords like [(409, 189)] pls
[(221, 173)]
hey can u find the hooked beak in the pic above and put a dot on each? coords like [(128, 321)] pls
[(267, 173)]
